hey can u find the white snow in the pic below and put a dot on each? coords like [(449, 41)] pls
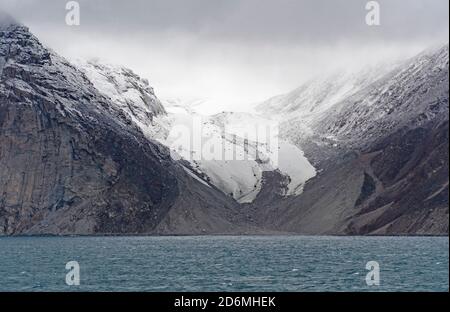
[(319, 95), (293, 163), (243, 178), (241, 175), (239, 178), (193, 175), (232, 156)]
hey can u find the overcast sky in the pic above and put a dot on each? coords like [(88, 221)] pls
[(234, 51)]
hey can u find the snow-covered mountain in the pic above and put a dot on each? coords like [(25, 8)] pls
[(127, 91), (348, 108), (381, 151), (244, 178), (413, 94), (300, 111), (75, 160), (86, 149), (301, 116), (319, 94), (239, 175)]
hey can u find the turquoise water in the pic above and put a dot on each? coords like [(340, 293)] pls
[(224, 263)]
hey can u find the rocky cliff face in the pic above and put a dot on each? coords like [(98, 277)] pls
[(79, 154), (126, 90), (72, 162), (382, 157), (410, 96)]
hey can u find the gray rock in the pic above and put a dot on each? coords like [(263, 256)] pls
[(72, 163)]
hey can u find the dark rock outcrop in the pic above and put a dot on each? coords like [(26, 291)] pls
[(74, 160), (72, 163), (382, 156)]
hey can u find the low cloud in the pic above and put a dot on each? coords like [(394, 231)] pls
[(234, 51)]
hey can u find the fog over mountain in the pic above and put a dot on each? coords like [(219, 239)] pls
[(235, 53), (93, 119)]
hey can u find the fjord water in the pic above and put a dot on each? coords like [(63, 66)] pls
[(227, 263)]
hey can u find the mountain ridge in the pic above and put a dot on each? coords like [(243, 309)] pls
[(381, 171), (72, 163), (83, 150)]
